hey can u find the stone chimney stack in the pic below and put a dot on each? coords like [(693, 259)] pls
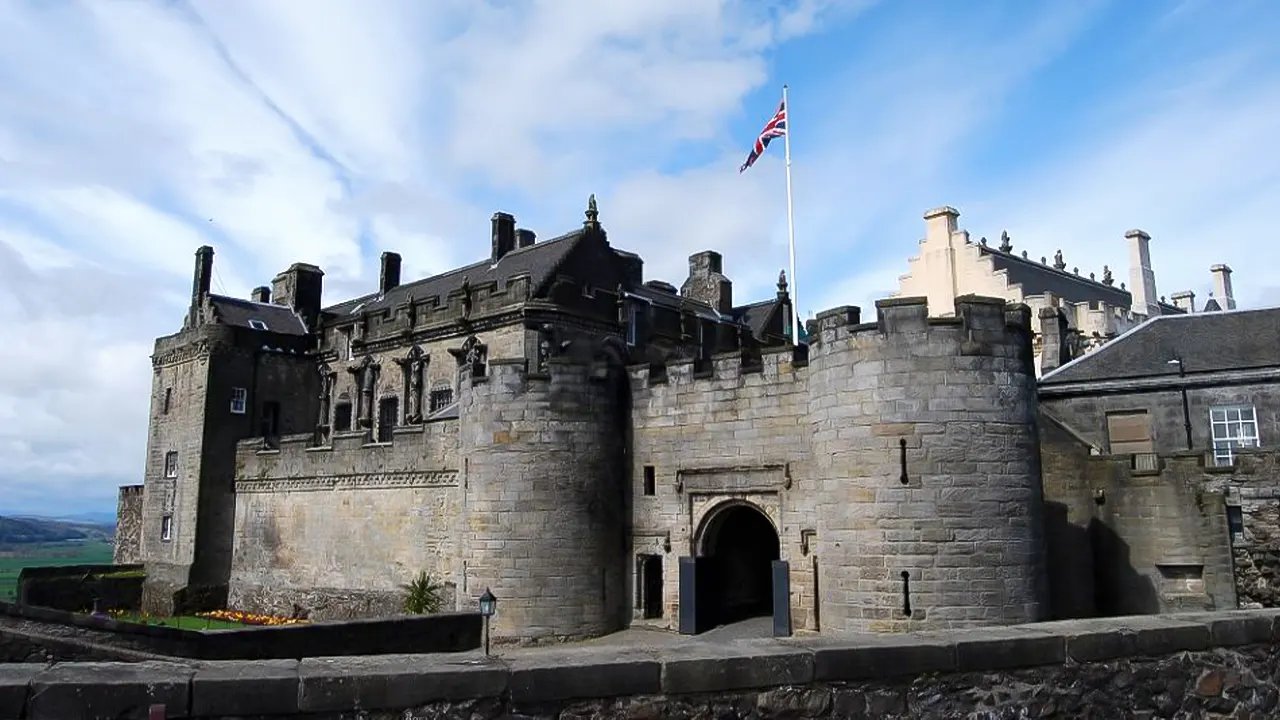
[(1055, 334), (261, 294), (201, 281), (707, 283), (300, 287), (525, 238), (504, 235), (1186, 300), (1222, 287), (1142, 279), (389, 277)]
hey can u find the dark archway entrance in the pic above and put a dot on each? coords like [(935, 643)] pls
[(740, 546)]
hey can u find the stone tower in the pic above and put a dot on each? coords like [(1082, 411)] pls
[(543, 497), (929, 505)]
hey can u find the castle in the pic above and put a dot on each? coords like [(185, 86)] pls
[(598, 450)]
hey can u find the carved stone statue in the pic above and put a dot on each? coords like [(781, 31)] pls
[(1058, 262), (1006, 245)]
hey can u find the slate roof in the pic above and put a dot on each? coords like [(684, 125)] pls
[(1206, 342), (539, 261), (277, 318), (756, 315), (1037, 278)]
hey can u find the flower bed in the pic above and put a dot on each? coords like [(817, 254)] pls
[(244, 618)]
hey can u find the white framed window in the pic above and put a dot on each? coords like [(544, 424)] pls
[(257, 324), (239, 400), (166, 528), (1233, 427), (171, 464)]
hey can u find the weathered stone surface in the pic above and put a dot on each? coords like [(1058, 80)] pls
[(716, 668), (561, 675), (395, 681), (14, 679), (109, 690), (239, 687)]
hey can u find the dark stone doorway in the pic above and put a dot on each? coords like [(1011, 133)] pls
[(740, 546)]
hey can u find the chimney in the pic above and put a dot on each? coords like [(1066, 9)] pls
[(1055, 350), (706, 283), (1185, 300), (203, 276), (1142, 279), (525, 238), (300, 288), (1221, 286), (504, 235), (200, 282), (261, 294), (389, 278)]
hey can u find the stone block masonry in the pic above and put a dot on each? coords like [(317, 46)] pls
[(1189, 665)]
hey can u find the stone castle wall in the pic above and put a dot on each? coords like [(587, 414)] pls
[(128, 539), (821, 446), (338, 529)]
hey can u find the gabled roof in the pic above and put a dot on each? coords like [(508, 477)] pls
[(1037, 278), (263, 317), (757, 315), (1206, 342), (539, 261)]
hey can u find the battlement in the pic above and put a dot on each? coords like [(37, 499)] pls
[(910, 315)]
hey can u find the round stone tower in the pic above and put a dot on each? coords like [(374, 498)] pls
[(929, 504), (543, 498)]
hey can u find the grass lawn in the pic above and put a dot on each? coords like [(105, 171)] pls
[(185, 622), (47, 554)]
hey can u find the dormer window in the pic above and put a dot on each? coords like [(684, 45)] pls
[(257, 324)]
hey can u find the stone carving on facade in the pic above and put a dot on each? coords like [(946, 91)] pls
[(466, 297), (1106, 276), (366, 375), (471, 356), (1058, 262), (328, 379), (413, 366), (551, 343), (593, 212), (1006, 245)]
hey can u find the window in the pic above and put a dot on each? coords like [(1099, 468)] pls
[(166, 528), (1129, 432), (1233, 426), (441, 398), (633, 318), (239, 399), (171, 464), (257, 324), (342, 417), (168, 400), (388, 415), (650, 480), (269, 423)]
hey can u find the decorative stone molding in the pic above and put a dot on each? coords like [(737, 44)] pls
[(377, 481)]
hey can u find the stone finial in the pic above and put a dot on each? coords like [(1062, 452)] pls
[(1058, 262), (1006, 245), (1075, 270), (1024, 254), (1044, 260), (1091, 277), (782, 282), (983, 241), (1107, 279), (593, 212)]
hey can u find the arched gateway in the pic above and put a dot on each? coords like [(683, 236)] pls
[(737, 546)]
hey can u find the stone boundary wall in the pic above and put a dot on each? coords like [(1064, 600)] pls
[(443, 633), (1189, 665)]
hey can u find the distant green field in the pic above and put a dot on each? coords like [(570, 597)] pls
[(46, 554)]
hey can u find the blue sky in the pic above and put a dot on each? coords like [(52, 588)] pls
[(328, 131)]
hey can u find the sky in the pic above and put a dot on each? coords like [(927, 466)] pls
[(328, 131)]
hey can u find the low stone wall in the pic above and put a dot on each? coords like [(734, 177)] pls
[(441, 633), (1192, 665), (74, 588)]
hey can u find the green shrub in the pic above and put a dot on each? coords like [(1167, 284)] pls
[(422, 596)]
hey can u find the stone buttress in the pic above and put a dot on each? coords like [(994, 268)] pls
[(929, 505)]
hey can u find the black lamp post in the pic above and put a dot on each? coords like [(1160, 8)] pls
[(1182, 385), (488, 606)]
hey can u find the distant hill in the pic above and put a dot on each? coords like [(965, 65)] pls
[(29, 530)]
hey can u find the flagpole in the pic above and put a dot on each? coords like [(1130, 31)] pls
[(791, 226)]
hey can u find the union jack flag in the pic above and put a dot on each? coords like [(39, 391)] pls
[(776, 127)]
